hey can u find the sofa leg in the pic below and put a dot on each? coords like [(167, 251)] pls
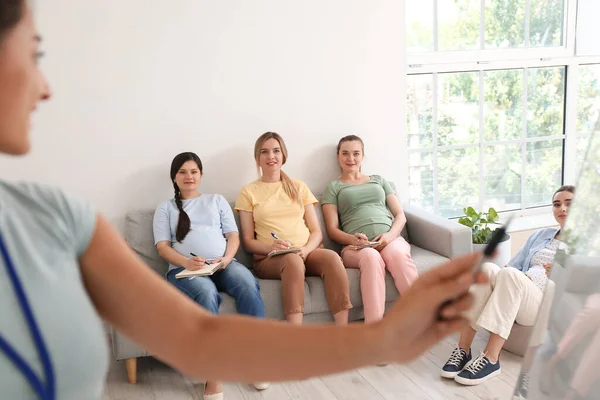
[(131, 366)]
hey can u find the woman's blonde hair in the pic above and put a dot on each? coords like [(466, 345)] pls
[(288, 185)]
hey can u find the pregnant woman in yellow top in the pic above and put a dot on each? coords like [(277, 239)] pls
[(276, 213)]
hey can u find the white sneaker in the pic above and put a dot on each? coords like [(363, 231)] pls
[(262, 385)]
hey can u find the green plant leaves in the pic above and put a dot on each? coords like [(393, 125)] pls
[(481, 236), (492, 215), (465, 221), (478, 222), (470, 212)]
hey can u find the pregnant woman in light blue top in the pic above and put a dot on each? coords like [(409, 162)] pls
[(63, 267), (192, 229)]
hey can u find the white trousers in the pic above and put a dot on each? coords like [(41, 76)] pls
[(509, 297)]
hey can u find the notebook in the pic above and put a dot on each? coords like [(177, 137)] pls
[(284, 251), (205, 271), (363, 246)]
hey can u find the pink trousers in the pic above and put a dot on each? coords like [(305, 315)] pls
[(372, 264)]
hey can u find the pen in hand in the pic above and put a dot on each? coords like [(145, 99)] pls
[(276, 238), (205, 261)]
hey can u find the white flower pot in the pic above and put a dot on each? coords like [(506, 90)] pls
[(503, 250)]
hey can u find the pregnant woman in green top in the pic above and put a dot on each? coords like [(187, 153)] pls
[(360, 209)]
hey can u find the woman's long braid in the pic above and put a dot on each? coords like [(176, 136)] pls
[(178, 197), (183, 224)]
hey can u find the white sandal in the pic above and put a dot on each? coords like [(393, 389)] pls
[(216, 396), (261, 385)]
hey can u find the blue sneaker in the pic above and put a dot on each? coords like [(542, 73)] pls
[(479, 371), (457, 361)]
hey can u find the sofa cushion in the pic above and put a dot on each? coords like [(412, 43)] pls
[(425, 259), (140, 237)]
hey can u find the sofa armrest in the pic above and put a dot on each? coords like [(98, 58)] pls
[(437, 234), (124, 348)]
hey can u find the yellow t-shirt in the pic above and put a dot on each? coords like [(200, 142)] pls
[(274, 211)]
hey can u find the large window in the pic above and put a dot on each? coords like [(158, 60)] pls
[(499, 103)]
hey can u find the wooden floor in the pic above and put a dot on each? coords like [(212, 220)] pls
[(418, 380)]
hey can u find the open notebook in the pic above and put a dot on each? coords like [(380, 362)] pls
[(283, 251), (205, 271), (363, 246)]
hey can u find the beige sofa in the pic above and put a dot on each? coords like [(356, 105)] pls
[(433, 240)]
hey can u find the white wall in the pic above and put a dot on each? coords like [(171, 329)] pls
[(135, 82), (587, 28)]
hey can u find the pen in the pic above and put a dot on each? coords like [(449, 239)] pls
[(205, 262), (488, 251), (276, 238)]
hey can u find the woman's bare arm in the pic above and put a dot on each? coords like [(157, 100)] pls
[(251, 245), (312, 222), (137, 302), (332, 223), (170, 255), (397, 225), (398, 214), (233, 244)]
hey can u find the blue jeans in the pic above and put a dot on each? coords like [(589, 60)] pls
[(236, 280)]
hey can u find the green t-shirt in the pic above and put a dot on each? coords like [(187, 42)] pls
[(45, 233), (362, 207)]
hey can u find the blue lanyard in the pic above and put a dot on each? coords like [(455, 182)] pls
[(47, 391)]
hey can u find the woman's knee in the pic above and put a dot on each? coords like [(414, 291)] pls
[(331, 262), (247, 283), (490, 269), (240, 274), (206, 295), (292, 266), (509, 273), (510, 277), (370, 258)]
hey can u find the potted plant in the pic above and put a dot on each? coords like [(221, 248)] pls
[(480, 222)]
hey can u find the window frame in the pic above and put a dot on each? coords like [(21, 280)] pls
[(479, 60)]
